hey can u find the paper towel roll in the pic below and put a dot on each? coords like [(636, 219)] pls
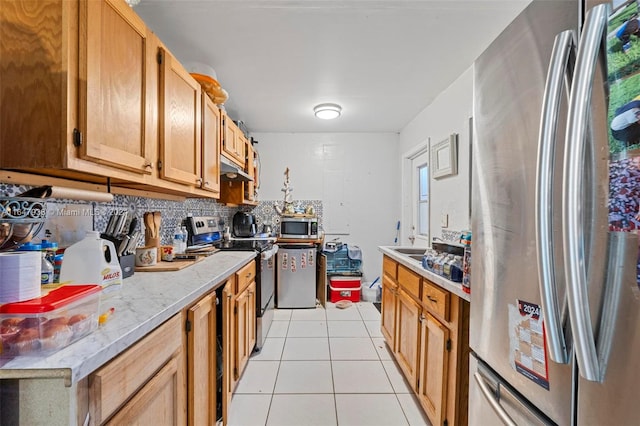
[(19, 275)]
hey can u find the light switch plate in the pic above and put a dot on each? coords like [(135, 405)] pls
[(444, 220)]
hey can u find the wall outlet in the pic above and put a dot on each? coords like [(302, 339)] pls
[(444, 220)]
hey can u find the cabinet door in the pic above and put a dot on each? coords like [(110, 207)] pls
[(251, 318), (408, 337), (241, 314), (202, 350), (389, 308), (249, 189), (210, 145), (115, 105), (180, 123), (321, 279), (230, 137), (434, 369), (228, 344), (158, 402)]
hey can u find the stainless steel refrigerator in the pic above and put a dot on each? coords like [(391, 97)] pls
[(555, 296)]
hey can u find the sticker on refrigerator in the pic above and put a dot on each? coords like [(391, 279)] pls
[(528, 352), (285, 260), (294, 267), (303, 260), (310, 258)]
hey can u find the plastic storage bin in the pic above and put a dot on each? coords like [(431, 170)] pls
[(339, 261), (47, 324), (344, 288)]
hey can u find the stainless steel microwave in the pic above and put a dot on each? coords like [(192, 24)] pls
[(299, 227)]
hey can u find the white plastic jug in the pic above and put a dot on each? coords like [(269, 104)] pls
[(92, 261)]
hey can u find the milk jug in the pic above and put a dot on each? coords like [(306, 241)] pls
[(92, 261)]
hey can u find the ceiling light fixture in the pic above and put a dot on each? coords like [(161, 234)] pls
[(327, 111)]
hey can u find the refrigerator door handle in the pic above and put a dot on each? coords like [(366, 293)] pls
[(573, 228), (560, 69), (488, 394)]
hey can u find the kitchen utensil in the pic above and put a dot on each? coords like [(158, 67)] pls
[(111, 225), (157, 220), (132, 226), (148, 224), (267, 229)]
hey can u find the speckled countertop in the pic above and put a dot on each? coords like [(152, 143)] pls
[(146, 300), (416, 266)]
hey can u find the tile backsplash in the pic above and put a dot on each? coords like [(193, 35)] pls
[(67, 220)]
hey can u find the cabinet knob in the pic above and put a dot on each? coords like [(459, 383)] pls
[(199, 180), (206, 183), (431, 299)]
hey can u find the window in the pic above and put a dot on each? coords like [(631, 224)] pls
[(423, 201)]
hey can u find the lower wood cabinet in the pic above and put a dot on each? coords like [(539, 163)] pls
[(145, 384), (202, 361), (427, 329), (434, 368), (389, 308), (245, 327), (407, 348)]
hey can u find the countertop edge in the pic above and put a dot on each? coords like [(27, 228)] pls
[(147, 300), (415, 266)]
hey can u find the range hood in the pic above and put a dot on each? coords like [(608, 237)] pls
[(230, 171)]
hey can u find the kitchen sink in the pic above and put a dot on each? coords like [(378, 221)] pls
[(417, 257), (410, 250)]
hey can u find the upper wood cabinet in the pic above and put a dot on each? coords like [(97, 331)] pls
[(74, 90), (180, 119), (114, 63), (211, 134), (233, 141)]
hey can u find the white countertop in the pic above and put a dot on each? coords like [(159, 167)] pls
[(146, 300), (416, 266)]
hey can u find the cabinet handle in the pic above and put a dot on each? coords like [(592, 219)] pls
[(422, 317), (206, 183), (199, 180), (147, 164), (431, 299)]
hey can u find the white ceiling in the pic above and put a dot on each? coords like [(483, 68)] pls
[(383, 61)]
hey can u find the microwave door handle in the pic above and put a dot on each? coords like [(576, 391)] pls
[(573, 190), (558, 78)]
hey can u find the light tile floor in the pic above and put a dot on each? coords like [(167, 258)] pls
[(324, 367)]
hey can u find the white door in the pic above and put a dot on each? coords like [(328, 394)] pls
[(420, 199)]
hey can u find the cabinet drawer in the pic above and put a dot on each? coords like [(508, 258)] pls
[(436, 299), (245, 276), (112, 385), (390, 267), (409, 281)]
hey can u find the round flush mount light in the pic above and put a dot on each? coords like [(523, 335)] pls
[(327, 111)]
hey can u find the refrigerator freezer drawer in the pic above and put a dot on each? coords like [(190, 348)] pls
[(493, 402)]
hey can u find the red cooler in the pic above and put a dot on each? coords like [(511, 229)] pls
[(344, 288)]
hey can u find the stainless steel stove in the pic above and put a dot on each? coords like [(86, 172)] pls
[(205, 231)]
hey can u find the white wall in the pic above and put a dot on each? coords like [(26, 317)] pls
[(365, 164), (448, 113)]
